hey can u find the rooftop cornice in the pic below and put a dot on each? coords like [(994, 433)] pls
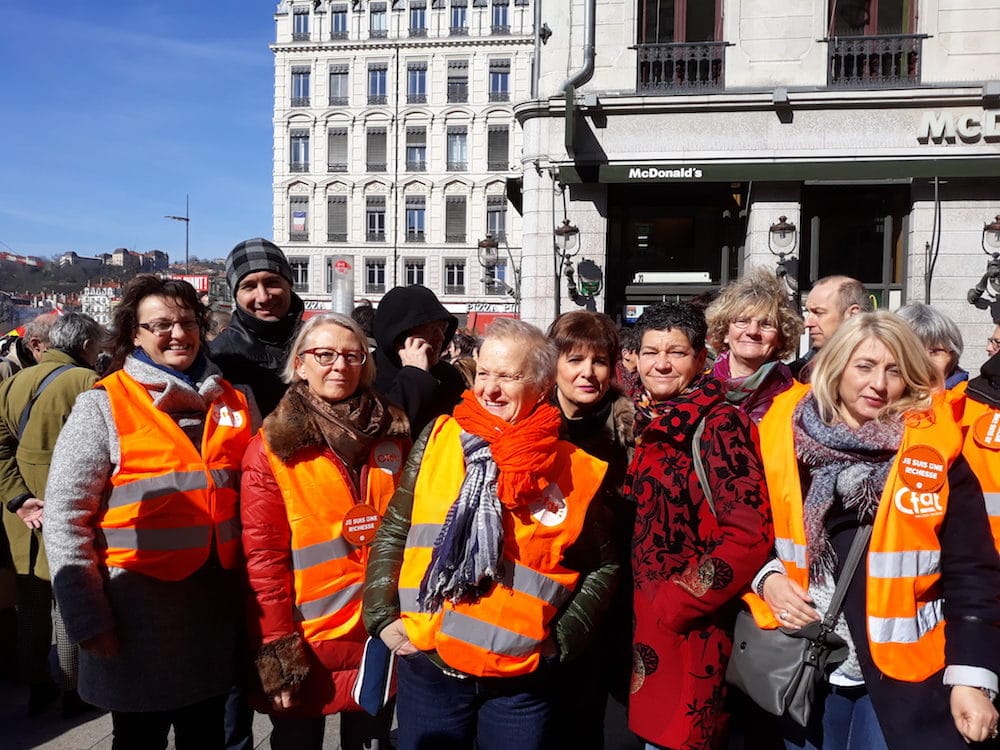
[(337, 45)]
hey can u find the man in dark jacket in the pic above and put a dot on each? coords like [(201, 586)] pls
[(252, 350), (412, 329), (19, 352)]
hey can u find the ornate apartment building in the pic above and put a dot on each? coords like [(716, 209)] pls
[(394, 137)]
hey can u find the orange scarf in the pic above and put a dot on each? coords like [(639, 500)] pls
[(525, 451)]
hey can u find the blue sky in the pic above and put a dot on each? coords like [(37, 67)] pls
[(114, 110)]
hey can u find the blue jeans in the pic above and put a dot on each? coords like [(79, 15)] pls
[(438, 712), (843, 719)]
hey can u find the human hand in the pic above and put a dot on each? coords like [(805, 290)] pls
[(415, 352), (394, 636), (105, 644), (789, 602), (974, 714), (31, 512), (284, 700)]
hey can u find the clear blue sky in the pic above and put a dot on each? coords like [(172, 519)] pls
[(114, 110)]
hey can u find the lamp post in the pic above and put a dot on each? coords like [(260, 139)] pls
[(186, 218), (567, 238), (781, 237), (989, 284), (489, 258)]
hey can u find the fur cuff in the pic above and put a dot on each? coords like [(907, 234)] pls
[(282, 664)]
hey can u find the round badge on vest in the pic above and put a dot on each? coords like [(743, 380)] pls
[(986, 431), (360, 524), (550, 508), (388, 457), (922, 467)]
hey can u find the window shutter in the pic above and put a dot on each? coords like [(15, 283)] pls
[(454, 218), (336, 218), (498, 147), (416, 136), (376, 148), (337, 148), (375, 201), (500, 66)]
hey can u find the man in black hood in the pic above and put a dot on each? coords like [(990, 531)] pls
[(412, 329), (253, 349)]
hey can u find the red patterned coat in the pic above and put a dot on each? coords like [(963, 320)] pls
[(691, 565)]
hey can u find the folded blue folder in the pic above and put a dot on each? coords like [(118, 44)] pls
[(374, 684)]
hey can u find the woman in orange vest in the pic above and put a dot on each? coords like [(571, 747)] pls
[(142, 525), (868, 443), (491, 565), (316, 479)]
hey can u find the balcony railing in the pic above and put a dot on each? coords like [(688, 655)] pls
[(377, 99), (336, 167), (416, 166), (375, 236), (454, 288), (338, 34), (457, 94), (300, 36), (416, 98), (414, 33), (500, 29), (378, 33), (457, 166), (336, 236), (681, 66), (338, 101), (377, 166), (414, 236), (499, 96), (300, 101), (454, 238), (298, 166), (374, 288), (874, 61), (497, 166), (458, 30)]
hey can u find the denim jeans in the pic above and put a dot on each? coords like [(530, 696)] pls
[(438, 712), (843, 719)]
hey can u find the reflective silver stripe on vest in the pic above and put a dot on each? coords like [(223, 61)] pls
[(906, 629), (319, 553), (153, 487), (227, 478), (492, 638), (791, 552), (908, 564), (408, 600), (328, 604), (992, 504), (423, 534), (228, 530), (159, 540), (518, 577)]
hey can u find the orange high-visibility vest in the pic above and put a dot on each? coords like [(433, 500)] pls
[(903, 567), (981, 448), (169, 504), (501, 634), (328, 571)]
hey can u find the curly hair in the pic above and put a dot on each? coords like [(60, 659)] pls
[(757, 293), (670, 316)]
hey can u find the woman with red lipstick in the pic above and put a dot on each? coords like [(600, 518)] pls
[(868, 448)]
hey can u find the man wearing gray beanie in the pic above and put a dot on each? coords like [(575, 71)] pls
[(252, 350)]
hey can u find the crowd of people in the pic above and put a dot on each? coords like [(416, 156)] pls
[(500, 541)]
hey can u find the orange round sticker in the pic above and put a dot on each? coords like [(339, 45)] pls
[(922, 468), (360, 524), (986, 430)]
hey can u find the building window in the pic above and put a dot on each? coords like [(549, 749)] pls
[(339, 93), (457, 148), (298, 212), (338, 21), (454, 218), (378, 76), (680, 45), (298, 160), (336, 218), (496, 216), (378, 27), (415, 216), (872, 44), (375, 218), (416, 83), (495, 278), (459, 18), (413, 271), (499, 22), (500, 80), (300, 273), (498, 148), (376, 159), (458, 81), (300, 86), (521, 3), (336, 150), (418, 17), (454, 276), (374, 275), (416, 149), (300, 25)]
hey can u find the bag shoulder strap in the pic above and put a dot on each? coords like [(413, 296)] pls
[(847, 574), (22, 423), (699, 466)]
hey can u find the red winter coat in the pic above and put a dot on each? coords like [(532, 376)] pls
[(691, 567)]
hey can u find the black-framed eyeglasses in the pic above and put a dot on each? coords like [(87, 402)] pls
[(326, 357), (165, 327)]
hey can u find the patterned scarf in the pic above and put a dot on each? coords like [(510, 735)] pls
[(847, 467), (349, 427), (753, 393), (504, 464)]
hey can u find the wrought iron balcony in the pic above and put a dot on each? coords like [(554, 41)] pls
[(414, 236), (374, 288), (376, 166), (336, 167), (454, 238), (499, 96), (416, 166), (458, 30), (454, 288), (336, 236), (378, 33), (298, 166), (300, 36), (377, 99), (681, 66), (416, 98), (338, 34), (338, 101), (500, 29), (375, 236), (874, 61), (300, 101), (414, 33), (457, 94), (497, 166), (457, 166)]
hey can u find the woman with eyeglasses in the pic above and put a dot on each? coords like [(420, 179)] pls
[(940, 336), (493, 564), (752, 326), (316, 480), (142, 525)]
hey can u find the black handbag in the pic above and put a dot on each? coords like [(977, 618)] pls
[(780, 669)]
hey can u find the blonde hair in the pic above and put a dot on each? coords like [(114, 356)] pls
[(289, 375), (915, 367), (757, 290)]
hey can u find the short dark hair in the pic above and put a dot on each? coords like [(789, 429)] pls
[(364, 316), (674, 316), (627, 339), (126, 315), (581, 329), (466, 342)]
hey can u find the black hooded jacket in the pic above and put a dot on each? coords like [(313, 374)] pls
[(252, 352), (424, 396)]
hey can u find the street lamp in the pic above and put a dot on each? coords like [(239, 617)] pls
[(989, 284), (489, 258), (186, 218), (781, 237), (567, 240)]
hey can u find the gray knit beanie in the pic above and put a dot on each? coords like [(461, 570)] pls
[(255, 255)]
